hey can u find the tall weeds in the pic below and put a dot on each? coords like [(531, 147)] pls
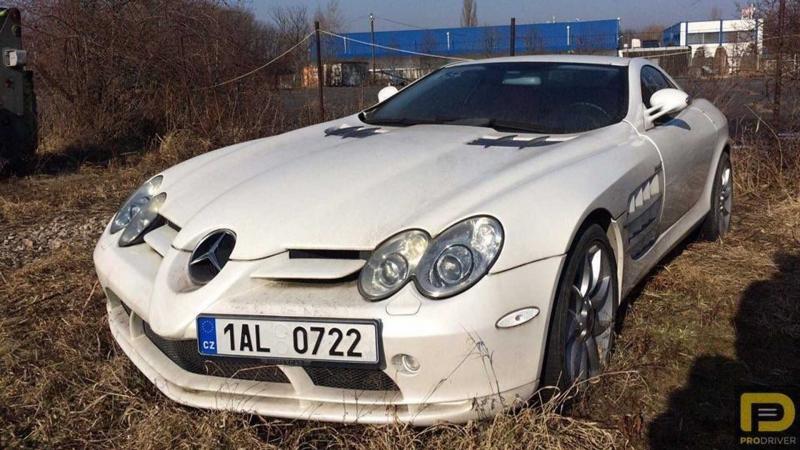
[(113, 75)]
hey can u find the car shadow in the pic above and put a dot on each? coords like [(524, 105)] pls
[(70, 159), (704, 413)]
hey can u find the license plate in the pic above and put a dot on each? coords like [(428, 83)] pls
[(289, 339)]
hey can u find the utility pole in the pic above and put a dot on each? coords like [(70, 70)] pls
[(320, 76), (513, 45), (372, 36), (776, 107)]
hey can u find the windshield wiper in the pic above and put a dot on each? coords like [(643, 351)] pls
[(504, 125), (401, 121), (498, 124)]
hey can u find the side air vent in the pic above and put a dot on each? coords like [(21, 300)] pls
[(644, 207)]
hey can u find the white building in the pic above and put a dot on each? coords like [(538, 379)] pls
[(736, 36)]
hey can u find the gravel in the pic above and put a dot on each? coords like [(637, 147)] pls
[(22, 246)]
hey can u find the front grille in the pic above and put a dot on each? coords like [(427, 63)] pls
[(184, 353), (356, 379)]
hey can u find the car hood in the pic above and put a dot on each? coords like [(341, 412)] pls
[(330, 186)]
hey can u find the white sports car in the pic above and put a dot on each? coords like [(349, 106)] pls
[(437, 257)]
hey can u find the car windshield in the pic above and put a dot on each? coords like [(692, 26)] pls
[(538, 97)]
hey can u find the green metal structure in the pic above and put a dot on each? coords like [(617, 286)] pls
[(18, 126)]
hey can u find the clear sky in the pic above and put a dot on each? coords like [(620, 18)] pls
[(446, 13)]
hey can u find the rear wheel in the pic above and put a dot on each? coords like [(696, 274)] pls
[(718, 221), (581, 332)]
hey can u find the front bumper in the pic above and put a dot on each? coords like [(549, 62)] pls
[(468, 367)]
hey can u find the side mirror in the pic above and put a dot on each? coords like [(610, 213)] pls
[(666, 101), (386, 92)]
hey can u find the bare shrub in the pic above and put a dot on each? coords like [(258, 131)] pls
[(767, 167), (115, 74)]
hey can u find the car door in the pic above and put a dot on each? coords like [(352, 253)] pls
[(684, 140)]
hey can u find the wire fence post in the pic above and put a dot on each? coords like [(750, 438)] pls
[(776, 107), (320, 76), (513, 32), (372, 37)]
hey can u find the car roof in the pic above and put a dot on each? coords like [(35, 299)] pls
[(574, 59)]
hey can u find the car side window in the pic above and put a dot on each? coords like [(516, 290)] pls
[(652, 80)]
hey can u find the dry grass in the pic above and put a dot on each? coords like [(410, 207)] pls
[(715, 316)]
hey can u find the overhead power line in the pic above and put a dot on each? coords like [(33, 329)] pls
[(402, 24), (399, 50), (263, 66)]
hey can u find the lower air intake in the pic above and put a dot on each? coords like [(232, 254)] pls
[(355, 379), (184, 353)]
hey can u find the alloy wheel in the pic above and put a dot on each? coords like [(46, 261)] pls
[(590, 316), (725, 200)]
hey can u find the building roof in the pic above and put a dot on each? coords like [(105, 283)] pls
[(575, 59)]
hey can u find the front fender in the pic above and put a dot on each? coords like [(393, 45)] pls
[(542, 217)]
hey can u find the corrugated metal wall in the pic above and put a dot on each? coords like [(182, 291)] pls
[(672, 35), (595, 36)]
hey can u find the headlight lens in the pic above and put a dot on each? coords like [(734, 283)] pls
[(445, 266), (135, 203), (392, 264), (459, 257), (142, 221), (452, 266)]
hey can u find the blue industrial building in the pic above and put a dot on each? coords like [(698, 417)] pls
[(593, 36)]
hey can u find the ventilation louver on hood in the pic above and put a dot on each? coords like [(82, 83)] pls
[(353, 132), (511, 141), (310, 265)]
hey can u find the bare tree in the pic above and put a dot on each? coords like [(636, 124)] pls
[(781, 43), (469, 14), (330, 18), (291, 22), (112, 77)]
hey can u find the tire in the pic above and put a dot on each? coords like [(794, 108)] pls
[(596, 298), (718, 220)]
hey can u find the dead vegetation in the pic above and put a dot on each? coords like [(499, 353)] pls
[(111, 75), (715, 316)]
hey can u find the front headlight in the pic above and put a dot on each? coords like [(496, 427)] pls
[(459, 257), (445, 266), (135, 203), (138, 212), (141, 222), (392, 264)]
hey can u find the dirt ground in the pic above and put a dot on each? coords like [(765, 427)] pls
[(713, 317)]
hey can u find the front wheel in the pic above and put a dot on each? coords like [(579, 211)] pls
[(581, 332), (718, 221)]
